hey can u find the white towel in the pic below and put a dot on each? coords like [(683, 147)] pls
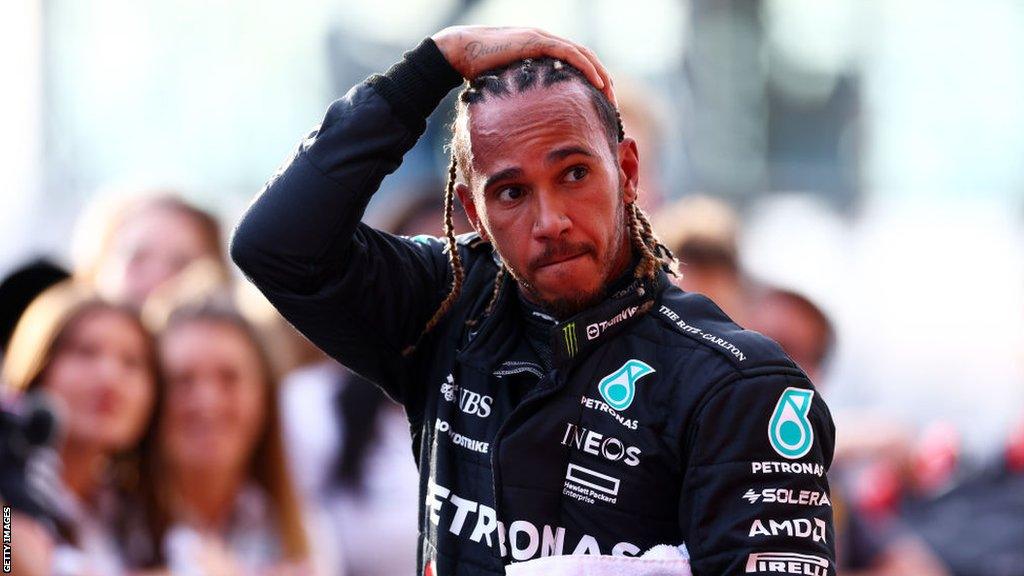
[(662, 560)]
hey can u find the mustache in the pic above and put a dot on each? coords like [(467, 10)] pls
[(558, 251)]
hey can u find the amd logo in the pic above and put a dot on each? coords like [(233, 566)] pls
[(470, 402), (813, 529)]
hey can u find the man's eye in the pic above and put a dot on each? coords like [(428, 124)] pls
[(576, 173), (510, 193)]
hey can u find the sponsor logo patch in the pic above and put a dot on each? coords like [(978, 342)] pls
[(472, 403), (572, 346), (789, 429), (809, 468), (467, 518), (603, 445), (787, 496), (691, 329), (809, 528), (597, 328), (466, 442), (599, 406), (589, 486), (619, 388), (787, 563)]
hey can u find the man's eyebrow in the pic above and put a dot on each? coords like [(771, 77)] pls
[(565, 152), (506, 174)]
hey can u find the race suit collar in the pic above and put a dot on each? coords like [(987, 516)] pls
[(495, 343), (573, 337)]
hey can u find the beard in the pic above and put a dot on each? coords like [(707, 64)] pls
[(573, 300)]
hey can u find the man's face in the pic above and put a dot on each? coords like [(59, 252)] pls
[(548, 192)]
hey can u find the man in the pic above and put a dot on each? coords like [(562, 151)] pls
[(563, 397)]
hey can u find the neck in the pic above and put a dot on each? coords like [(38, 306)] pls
[(208, 497), (83, 468)]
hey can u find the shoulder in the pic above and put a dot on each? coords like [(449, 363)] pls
[(694, 321), (706, 353), (472, 248)]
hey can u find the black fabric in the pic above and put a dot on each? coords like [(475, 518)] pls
[(20, 287), (518, 461), (416, 85), (537, 324)]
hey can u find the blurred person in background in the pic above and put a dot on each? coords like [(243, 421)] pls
[(643, 116), (128, 249), (702, 232), (349, 444), (217, 496), (95, 364), (863, 548)]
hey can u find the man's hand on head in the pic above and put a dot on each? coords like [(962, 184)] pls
[(475, 49)]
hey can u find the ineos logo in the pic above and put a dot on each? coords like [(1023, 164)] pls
[(608, 447), (469, 402)]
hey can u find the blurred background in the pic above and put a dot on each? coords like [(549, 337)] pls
[(863, 160)]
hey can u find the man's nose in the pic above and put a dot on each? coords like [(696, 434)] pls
[(551, 220)]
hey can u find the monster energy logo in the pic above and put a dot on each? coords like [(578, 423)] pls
[(569, 336), (789, 429)]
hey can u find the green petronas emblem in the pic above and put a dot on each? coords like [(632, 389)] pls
[(789, 429), (619, 387)]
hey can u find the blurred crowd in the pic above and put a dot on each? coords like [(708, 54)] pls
[(160, 418)]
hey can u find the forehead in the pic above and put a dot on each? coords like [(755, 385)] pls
[(519, 130)]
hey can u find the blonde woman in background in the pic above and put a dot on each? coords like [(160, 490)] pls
[(95, 364)]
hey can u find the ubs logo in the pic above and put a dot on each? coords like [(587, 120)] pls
[(470, 402)]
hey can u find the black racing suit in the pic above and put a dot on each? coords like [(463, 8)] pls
[(660, 420)]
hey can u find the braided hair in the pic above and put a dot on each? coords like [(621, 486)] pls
[(516, 78)]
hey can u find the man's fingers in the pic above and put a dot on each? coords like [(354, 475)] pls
[(562, 49), (609, 85), (606, 85), (583, 64)]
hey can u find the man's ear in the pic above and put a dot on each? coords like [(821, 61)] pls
[(629, 169), (465, 194)]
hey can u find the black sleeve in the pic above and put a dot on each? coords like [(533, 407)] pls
[(359, 294), (755, 499)]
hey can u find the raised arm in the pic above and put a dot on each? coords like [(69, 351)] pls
[(359, 294)]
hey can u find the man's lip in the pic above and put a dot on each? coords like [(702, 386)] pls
[(560, 260)]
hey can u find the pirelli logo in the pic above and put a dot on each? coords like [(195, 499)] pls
[(787, 563), (572, 346)]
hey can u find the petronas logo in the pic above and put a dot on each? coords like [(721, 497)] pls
[(619, 387), (789, 430), (569, 336)]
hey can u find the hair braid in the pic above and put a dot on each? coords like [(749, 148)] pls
[(498, 281), (661, 251), (648, 266), (454, 260)]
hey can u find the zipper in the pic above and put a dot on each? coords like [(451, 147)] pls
[(513, 367), (540, 392)]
